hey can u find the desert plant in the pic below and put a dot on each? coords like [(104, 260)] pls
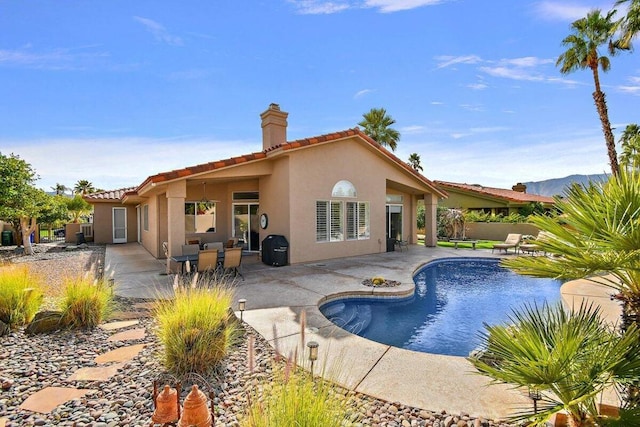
[(295, 398), (195, 326), (85, 302), (570, 357), (20, 295)]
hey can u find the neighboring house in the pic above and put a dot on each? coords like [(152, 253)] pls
[(495, 201), (335, 195)]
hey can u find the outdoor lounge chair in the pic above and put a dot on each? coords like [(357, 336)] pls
[(512, 241)]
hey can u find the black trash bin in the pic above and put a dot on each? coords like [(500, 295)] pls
[(80, 238), (275, 250), (7, 238)]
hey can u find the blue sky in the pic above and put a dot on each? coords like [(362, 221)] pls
[(115, 91)]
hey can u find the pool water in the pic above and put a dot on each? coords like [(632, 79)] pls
[(453, 299)]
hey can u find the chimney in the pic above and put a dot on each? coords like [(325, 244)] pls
[(274, 127), (520, 188)]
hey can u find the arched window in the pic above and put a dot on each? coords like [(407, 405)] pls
[(344, 188)]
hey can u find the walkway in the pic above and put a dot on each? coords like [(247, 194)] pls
[(276, 297)]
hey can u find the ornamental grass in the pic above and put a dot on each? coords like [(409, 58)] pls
[(85, 303), (197, 327), (20, 295)]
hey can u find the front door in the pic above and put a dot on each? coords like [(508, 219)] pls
[(119, 225), (246, 225)]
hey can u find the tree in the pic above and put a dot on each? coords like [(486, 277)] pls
[(597, 237), (20, 202), (630, 23), (588, 35), (570, 358), (77, 206), (630, 141), (414, 162), (59, 189), (376, 124), (83, 187)]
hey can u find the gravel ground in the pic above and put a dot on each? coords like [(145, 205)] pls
[(31, 363)]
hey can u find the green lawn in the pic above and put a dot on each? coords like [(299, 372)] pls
[(482, 244)]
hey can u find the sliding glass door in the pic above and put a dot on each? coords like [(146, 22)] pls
[(246, 225), (394, 222)]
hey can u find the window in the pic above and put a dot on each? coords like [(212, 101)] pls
[(343, 189), (357, 220), (246, 195), (329, 218), (199, 217), (394, 198), (145, 217)]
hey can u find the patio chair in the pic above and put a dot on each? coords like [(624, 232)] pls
[(402, 244), (512, 241), (232, 260), (208, 261), (232, 243)]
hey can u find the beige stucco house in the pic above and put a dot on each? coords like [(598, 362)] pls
[(495, 201), (334, 195)]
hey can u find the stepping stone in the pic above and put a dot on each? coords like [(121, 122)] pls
[(100, 373), (131, 334), (3, 422), (122, 354), (128, 315), (112, 326), (47, 399), (144, 305)]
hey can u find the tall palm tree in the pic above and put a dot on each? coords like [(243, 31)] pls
[(589, 34), (414, 162), (83, 187), (376, 124), (59, 189), (630, 141), (569, 358), (630, 23)]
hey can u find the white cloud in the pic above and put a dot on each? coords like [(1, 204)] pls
[(564, 11), (477, 86), (437, 103), (447, 61), (159, 32), (527, 61), (362, 92), (511, 73), (472, 107), (108, 168), (411, 130), (387, 6), (322, 7), (57, 59), (633, 88)]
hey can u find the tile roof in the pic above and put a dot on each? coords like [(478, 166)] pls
[(289, 145), (109, 195), (501, 193)]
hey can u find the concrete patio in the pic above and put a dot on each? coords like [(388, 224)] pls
[(276, 297)]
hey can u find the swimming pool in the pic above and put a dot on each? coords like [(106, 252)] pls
[(452, 300)]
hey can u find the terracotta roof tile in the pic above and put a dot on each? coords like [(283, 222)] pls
[(501, 193), (110, 194)]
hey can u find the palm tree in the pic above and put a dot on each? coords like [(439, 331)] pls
[(597, 237), (568, 358), (376, 124), (630, 141), (59, 189), (83, 187), (588, 35), (630, 23), (414, 162)]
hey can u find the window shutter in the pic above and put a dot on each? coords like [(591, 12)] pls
[(363, 220), (336, 221), (322, 221), (352, 220)]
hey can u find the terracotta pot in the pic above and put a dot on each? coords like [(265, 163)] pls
[(195, 410), (166, 406)]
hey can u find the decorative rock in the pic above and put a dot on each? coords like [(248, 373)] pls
[(4, 329), (44, 322)]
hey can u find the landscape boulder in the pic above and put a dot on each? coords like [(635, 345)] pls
[(45, 321)]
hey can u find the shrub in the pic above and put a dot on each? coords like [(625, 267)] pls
[(196, 327), (295, 398), (20, 295), (85, 303)]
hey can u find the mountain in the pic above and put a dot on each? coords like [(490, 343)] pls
[(557, 186)]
